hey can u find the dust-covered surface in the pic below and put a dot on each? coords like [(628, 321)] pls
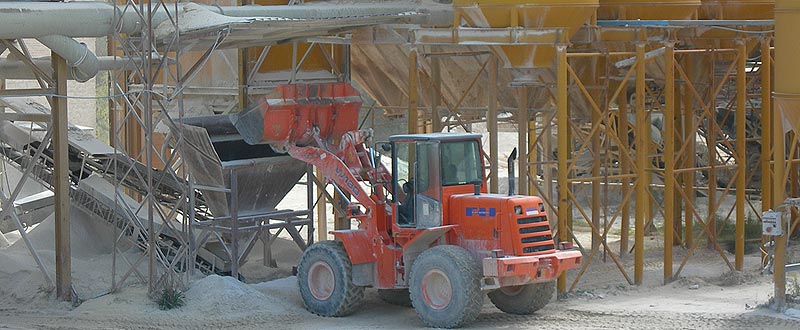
[(706, 296)]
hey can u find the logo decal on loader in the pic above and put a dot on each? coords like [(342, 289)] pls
[(481, 211)]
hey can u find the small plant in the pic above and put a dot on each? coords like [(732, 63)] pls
[(170, 298), (793, 291)]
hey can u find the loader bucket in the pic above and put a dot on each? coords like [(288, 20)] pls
[(292, 114)]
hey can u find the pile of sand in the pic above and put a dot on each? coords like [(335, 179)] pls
[(284, 290), (212, 302), (21, 281), (224, 295), (735, 277)]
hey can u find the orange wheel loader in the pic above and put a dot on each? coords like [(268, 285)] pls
[(429, 235)]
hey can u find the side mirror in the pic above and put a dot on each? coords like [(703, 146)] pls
[(385, 146)]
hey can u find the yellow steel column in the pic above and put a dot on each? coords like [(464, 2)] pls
[(766, 130), (787, 98), (766, 124), (677, 215), (436, 77), (563, 139), (689, 161), (669, 159), (711, 146), (596, 163), (491, 123), (642, 141), (741, 159), (531, 153), (61, 181), (522, 125), (625, 169), (413, 116)]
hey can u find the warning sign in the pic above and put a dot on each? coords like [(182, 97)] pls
[(771, 223)]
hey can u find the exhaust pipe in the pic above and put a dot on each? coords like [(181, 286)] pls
[(511, 160)]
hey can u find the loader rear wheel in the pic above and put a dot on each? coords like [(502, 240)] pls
[(523, 299), (324, 276), (399, 297), (445, 287)]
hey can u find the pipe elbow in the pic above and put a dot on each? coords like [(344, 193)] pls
[(82, 62)]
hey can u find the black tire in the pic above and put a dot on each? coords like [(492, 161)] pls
[(436, 270), (523, 299), (399, 297), (323, 262)]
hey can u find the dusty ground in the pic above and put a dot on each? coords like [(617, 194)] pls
[(276, 305), (705, 296)]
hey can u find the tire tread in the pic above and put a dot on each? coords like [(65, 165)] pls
[(467, 267), (353, 295)]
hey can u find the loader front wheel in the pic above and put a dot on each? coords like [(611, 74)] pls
[(523, 299), (324, 276), (445, 287)]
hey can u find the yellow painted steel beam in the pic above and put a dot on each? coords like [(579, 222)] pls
[(563, 146), (596, 160), (711, 143), (243, 72), (766, 130), (741, 159), (642, 143), (436, 79), (608, 54), (413, 98), (522, 120), (678, 141), (532, 142), (786, 102), (669, 159), (61, 181), (625, 167), (690, 138), (491, 123)]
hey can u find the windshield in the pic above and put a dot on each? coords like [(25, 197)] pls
[(461, 162)]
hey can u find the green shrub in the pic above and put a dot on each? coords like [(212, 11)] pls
[(170, 298)]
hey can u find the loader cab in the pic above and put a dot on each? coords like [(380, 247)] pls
[(427, 168)]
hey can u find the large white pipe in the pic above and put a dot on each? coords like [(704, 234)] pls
[(74, 19), (82, 62), (98, 19), (16, 69), (53, 24)]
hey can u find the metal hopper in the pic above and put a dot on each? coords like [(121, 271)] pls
[(537, 14), (214, 152)]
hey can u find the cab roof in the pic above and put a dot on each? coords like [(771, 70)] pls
[(444, 137)]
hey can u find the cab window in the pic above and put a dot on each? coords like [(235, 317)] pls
[(460, 162)]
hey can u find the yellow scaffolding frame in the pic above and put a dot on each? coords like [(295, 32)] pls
[(687, 97)]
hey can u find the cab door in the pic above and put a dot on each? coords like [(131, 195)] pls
[(427, 184)]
